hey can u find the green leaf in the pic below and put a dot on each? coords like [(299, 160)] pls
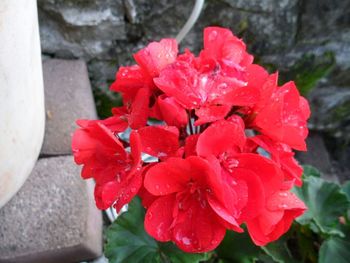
[(335, 250), (237, 247), (105, 101), (346, 189), (127, 241), (326, 203), (307, 243), (177, 256), (279, 251), (309, 170)]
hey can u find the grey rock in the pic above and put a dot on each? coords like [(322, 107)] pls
[(331, 110), (68, 97), (324, 19), (53, 217), (318, 156), (130, 11), (85, 28)]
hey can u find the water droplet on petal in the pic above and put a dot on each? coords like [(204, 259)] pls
[(283, 194), (283, 206), (161, 154), (157, 186), (212, 36), (186, 241), (118, 178)]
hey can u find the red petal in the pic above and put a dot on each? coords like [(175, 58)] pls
[(135, 144), (269, 173), (270, 225), (283, 156), (240, 96), (266, 89), (282, 119), (116, 188), (96, 143), (256, 76), (172, 112), (284, 200), (168, 177), (159, 217), (221, 211), (158, 141), (190, 145), (305, 108), (220, 137), (180, 80), (220, 43), (139, 109), (256, 196), (211, 113), (115, 124), (157, 55), (197, 229), (130, 79), (128, 191)]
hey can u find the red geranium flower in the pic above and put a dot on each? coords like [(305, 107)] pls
[(206, 172), (215, 81), (183, 211), (136, 82), (280, 209), (281, 113), (282, 154), (116, 172)]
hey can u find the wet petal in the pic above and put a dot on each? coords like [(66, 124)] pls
[(159, 218), (159, 141), (157, 55), (197, 229), (172, 112), (220, 137), (211, 113), (268, 172), (168, 177), (181, 81), (130, 79), (139, 109)]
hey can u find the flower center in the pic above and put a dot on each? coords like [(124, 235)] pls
[(228, 161)]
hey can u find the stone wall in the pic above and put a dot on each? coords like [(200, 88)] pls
[(306, 40)]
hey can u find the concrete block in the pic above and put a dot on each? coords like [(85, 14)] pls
[(68, 97), (53, 217)]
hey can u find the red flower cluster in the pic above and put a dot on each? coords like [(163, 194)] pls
[(222, 151)]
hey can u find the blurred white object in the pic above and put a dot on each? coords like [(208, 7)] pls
[(22, 114), (196, 11)]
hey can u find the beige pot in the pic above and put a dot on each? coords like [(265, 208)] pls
[(22, 114)]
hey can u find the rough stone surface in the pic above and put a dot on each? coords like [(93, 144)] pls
[(68, 97), (331, 110), (318, 156), (52, 218)]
